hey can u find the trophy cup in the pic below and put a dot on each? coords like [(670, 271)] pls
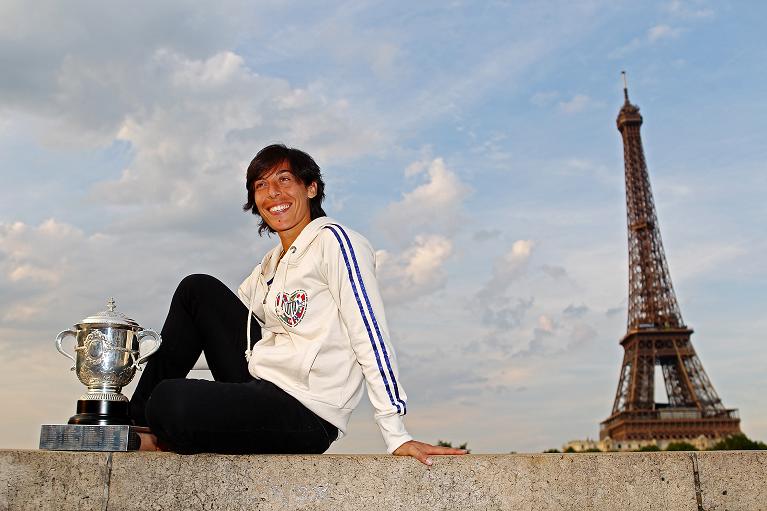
[(107, 357)]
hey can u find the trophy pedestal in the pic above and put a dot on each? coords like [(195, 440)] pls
[(99, 425), (86, 437), (101, 412)]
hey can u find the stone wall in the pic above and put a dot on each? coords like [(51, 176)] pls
[(62, 481)]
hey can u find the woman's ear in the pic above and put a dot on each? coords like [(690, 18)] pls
[(312, 190)]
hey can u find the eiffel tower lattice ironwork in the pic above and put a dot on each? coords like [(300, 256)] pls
[(656, 334)]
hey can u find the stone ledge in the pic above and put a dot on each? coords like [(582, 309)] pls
[(63, 481)]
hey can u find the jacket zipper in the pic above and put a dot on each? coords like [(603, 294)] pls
[(269, 286)]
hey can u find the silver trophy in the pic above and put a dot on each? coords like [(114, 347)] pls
[(107, 357)]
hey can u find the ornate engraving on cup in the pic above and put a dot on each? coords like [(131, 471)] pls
[(106, 362), (107, 352)]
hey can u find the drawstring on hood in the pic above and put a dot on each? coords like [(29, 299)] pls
[(252, 299), (248, 347), (289, 255)]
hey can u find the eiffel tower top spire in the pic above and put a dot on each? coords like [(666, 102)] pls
[(628, 114), (652, 302), (625, 87)]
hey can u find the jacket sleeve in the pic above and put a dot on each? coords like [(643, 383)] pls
[(246, 289), (349, 265)]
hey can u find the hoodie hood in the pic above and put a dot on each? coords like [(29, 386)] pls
[(297, 250), (305, 239)]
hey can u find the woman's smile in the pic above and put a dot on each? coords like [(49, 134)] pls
[(279, 208)]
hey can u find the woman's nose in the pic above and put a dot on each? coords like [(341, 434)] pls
[(273, 190)]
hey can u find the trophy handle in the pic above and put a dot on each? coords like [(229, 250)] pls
[(141, 337), (59, 338)]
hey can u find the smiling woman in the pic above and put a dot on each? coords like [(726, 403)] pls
[(287, 175), (320, 330)]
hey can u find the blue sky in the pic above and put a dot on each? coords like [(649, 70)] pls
[(473, 143)]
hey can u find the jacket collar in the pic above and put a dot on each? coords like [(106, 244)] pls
[(298, 248)]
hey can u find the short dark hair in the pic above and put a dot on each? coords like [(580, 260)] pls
[(302, 166)]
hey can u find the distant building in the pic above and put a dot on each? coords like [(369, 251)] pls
[(607, 444)]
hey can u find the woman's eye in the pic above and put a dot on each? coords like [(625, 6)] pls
[(259, 185)]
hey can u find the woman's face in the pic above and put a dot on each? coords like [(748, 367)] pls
[(283, 201)]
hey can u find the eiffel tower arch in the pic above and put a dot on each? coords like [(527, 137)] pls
[(656, 336)]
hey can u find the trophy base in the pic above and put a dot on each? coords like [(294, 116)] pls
[(101, 412), (83, 437)]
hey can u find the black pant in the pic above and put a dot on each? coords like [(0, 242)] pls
[(236, 413)]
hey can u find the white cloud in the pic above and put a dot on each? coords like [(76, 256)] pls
[(416, 168), (654, 35), (171, 64), (81, 69), (417, 271), (425, 259), (514, 262), (33, 273), (690, 9), (218, 70), (578, 103), (190, 150), (433, 206), (659, 32), (507, 268), (34, 263), (526, 315), (545, 323)]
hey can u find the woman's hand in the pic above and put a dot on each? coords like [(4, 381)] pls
[(421, 451)]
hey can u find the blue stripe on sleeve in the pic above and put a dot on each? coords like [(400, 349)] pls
[(364, 319), (373, 318)]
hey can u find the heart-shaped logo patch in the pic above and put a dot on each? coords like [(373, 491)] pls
[(291, 309)]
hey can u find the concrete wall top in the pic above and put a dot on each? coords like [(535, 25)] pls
[(723, 480)]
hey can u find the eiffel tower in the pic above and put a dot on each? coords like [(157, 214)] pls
[(656, 335)]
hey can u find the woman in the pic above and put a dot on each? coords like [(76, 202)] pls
[(320, 334)]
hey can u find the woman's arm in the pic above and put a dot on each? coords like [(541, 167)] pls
[(349, 265)]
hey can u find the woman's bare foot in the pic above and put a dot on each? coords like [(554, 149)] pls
[(148, 442)]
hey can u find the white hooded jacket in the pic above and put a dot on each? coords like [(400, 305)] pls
[(324, 330)]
